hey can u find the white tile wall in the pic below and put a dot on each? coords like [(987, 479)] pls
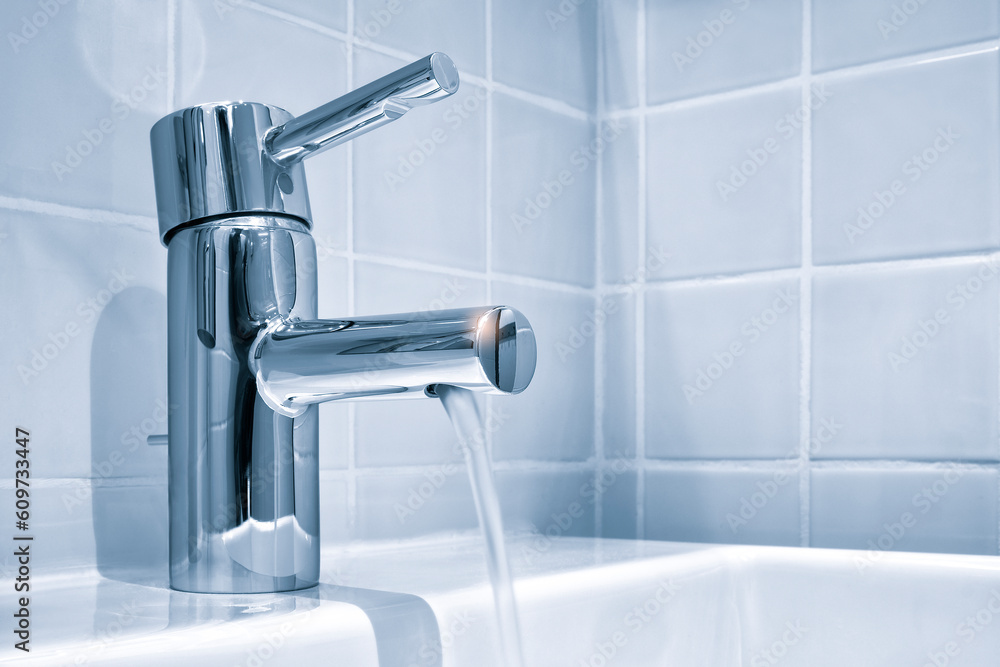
[(725, 196), (924, 148), (635, 276), (722, 369), (429, 238), (848, 32), (694, 48), (820, 394), (945, 508), (898, 361), (751, 506)]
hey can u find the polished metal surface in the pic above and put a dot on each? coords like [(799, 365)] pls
[(427, 80), (298, 364), (243, 157), (210, 161), (244, 480), (248, 360)]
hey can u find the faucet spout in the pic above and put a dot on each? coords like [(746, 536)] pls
[(299, 363)]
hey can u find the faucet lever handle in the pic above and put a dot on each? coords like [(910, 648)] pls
[(373, 105)]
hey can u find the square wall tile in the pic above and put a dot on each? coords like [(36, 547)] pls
[(455, 27), (620, 206), (618, 386), (335, 519), (81, 93), (947, 509), (724, 194), (546, 49), (329, 13), (420, 183), (401, 506), (91, 335), (904, 361), (408, 432), (328, 179), (906, 161), (694, 48), (332, 298), (554, 418), (209, 43), (757, 506), (619, 59), (722, 370), (848, 32), (543, 207), (551, 503), (619, 502)]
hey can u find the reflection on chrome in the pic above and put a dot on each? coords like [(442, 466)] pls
[(248, 358)]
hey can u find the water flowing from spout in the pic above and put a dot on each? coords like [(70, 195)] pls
[(464, 413)]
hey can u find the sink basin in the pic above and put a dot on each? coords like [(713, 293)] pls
[(583, 603)]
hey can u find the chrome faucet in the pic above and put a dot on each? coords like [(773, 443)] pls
[(248, 360)]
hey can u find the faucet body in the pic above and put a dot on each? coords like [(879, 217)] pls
[(249, 360), (244, 479)]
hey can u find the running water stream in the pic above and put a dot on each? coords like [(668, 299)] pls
[(464, 413)]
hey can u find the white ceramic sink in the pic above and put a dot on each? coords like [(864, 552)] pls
[(583, 603)]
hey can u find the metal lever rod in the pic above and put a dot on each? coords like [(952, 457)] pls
[(371, 106)]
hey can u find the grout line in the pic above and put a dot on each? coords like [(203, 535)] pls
[(525, 281), (938, 261), (550, 103), (805, 287), (171, 56), (640, 302), (822, 77), (543, 102), (516, 465), (890, 64), (139, 222), (352, 439), (488, 191), (904, 465), (600, 333), (711, 98), (347, 37)]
